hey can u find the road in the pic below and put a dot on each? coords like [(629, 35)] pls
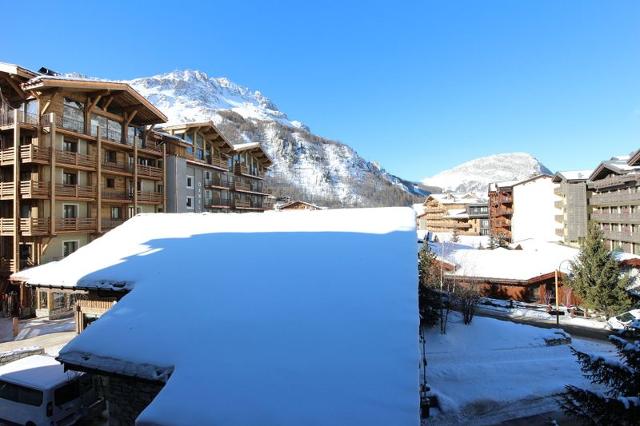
[(585, 332)]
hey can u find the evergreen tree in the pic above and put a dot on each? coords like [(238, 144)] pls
[(596, 278), (620, 404), (428, 282)]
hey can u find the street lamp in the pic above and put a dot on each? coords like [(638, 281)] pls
[(557, 295)]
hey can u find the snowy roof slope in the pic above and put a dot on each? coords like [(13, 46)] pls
[(209, 305)]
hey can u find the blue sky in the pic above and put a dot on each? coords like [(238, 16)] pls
[(417, 86)]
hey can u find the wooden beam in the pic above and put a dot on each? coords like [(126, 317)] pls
[(107, 103), (16, 87), (129, 117), (93, 103)]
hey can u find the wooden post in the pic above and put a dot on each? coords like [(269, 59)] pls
[(15, 326), (164, 177), (52, 212), (135, 179), (99, 180), (16, 191)]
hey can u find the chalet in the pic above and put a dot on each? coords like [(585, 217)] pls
[(299, 205), (158, 355), (450, 213), (76, 160)]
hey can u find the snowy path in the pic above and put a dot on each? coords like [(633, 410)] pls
[(495, 370), (34, 327)]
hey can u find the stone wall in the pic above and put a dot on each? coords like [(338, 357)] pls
[(10, 356), (127, 398)]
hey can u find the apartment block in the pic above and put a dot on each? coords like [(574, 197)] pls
[(206, 173), (501, 209), (449, 213), (614, 201), (75, 161), (534, 209), (572, 206)]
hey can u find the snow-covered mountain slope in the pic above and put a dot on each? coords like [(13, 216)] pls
[(474, 176), (305, 166)]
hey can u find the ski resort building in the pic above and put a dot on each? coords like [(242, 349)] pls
[(534, 209), (206, 173), (615, 201), (572, 205), (229, 348), (501, 209), (76, 160), (450, 213), (299, 205)]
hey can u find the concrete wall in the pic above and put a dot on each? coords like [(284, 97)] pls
[(176, 187), (534, 210), (10, 356), (576, 216)]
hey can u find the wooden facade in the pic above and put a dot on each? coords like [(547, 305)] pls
[(500, 210), (446, 213), (76, 159)]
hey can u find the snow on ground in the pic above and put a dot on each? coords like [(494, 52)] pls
[(304, 318), (497, 370), (474, 241), (34, 327)]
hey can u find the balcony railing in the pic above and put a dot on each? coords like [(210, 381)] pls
[(117, 167), (6, 156), (149, 145), (150, 171), (615, 217), (6, 190), (7, 266), (150, 197), (116, 195), (110, 223), (75, 159), (219, 180), (217, 201), (622, 236), (501, 221), (33, 226), (65, 122), (249, 185), (219, 162), (8, 119), (560, 232), (75, 191), (34, 189), (7, 225), (35, 154), (614, 198), (76, 224), (504, 211), (613, 181)]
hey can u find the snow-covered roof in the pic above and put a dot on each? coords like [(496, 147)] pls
[(458, 213), (217, 303), (286, 206), (36, 371), (574, 174), (449, 198)]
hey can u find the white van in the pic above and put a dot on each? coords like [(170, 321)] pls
[(626, 323), (37, 391)]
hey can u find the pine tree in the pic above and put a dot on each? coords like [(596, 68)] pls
[(429, 298), (620, 404), (596, 279)]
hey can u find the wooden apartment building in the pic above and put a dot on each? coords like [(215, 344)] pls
[(449, 213), (75, 161), (500, 209), (209, 174)]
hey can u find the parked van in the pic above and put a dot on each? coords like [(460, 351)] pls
[(37, 391)]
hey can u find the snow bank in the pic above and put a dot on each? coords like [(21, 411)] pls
[(304, 318)]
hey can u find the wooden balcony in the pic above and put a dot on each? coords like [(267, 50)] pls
[(7, 156), (75, 191), (35, 189), (108, 224), (76, 159), (245, 184), (150, 172), (150, 197), (35, 154), (108, 166), (502, 222), (219, 181), (7, 190), (504, 211), (7, 226), (238, 204), (7, 266), (120, 196), (76, 224), (150, 146), (219, 162), (615, 181), (34, 226), (239, 168)]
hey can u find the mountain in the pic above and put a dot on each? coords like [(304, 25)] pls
[(305, 166), (474, 176)]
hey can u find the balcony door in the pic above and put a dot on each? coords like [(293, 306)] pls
[(70, 211)]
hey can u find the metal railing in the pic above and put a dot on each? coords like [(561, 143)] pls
[(7, 118)]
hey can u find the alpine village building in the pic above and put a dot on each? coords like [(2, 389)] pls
[(449, 213), (501, 209), (78, 157)]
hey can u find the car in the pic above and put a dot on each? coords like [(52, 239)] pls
[(36, 390), (626, 323)]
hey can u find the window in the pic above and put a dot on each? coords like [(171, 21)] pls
[(69, 178), (69, 211), (111, 183), (111, 157), (134, 135), (189, 181), (20, 394), (67, 393), (190, 202), (73, 115), (70, 145), (69, 247), (116, 213)]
